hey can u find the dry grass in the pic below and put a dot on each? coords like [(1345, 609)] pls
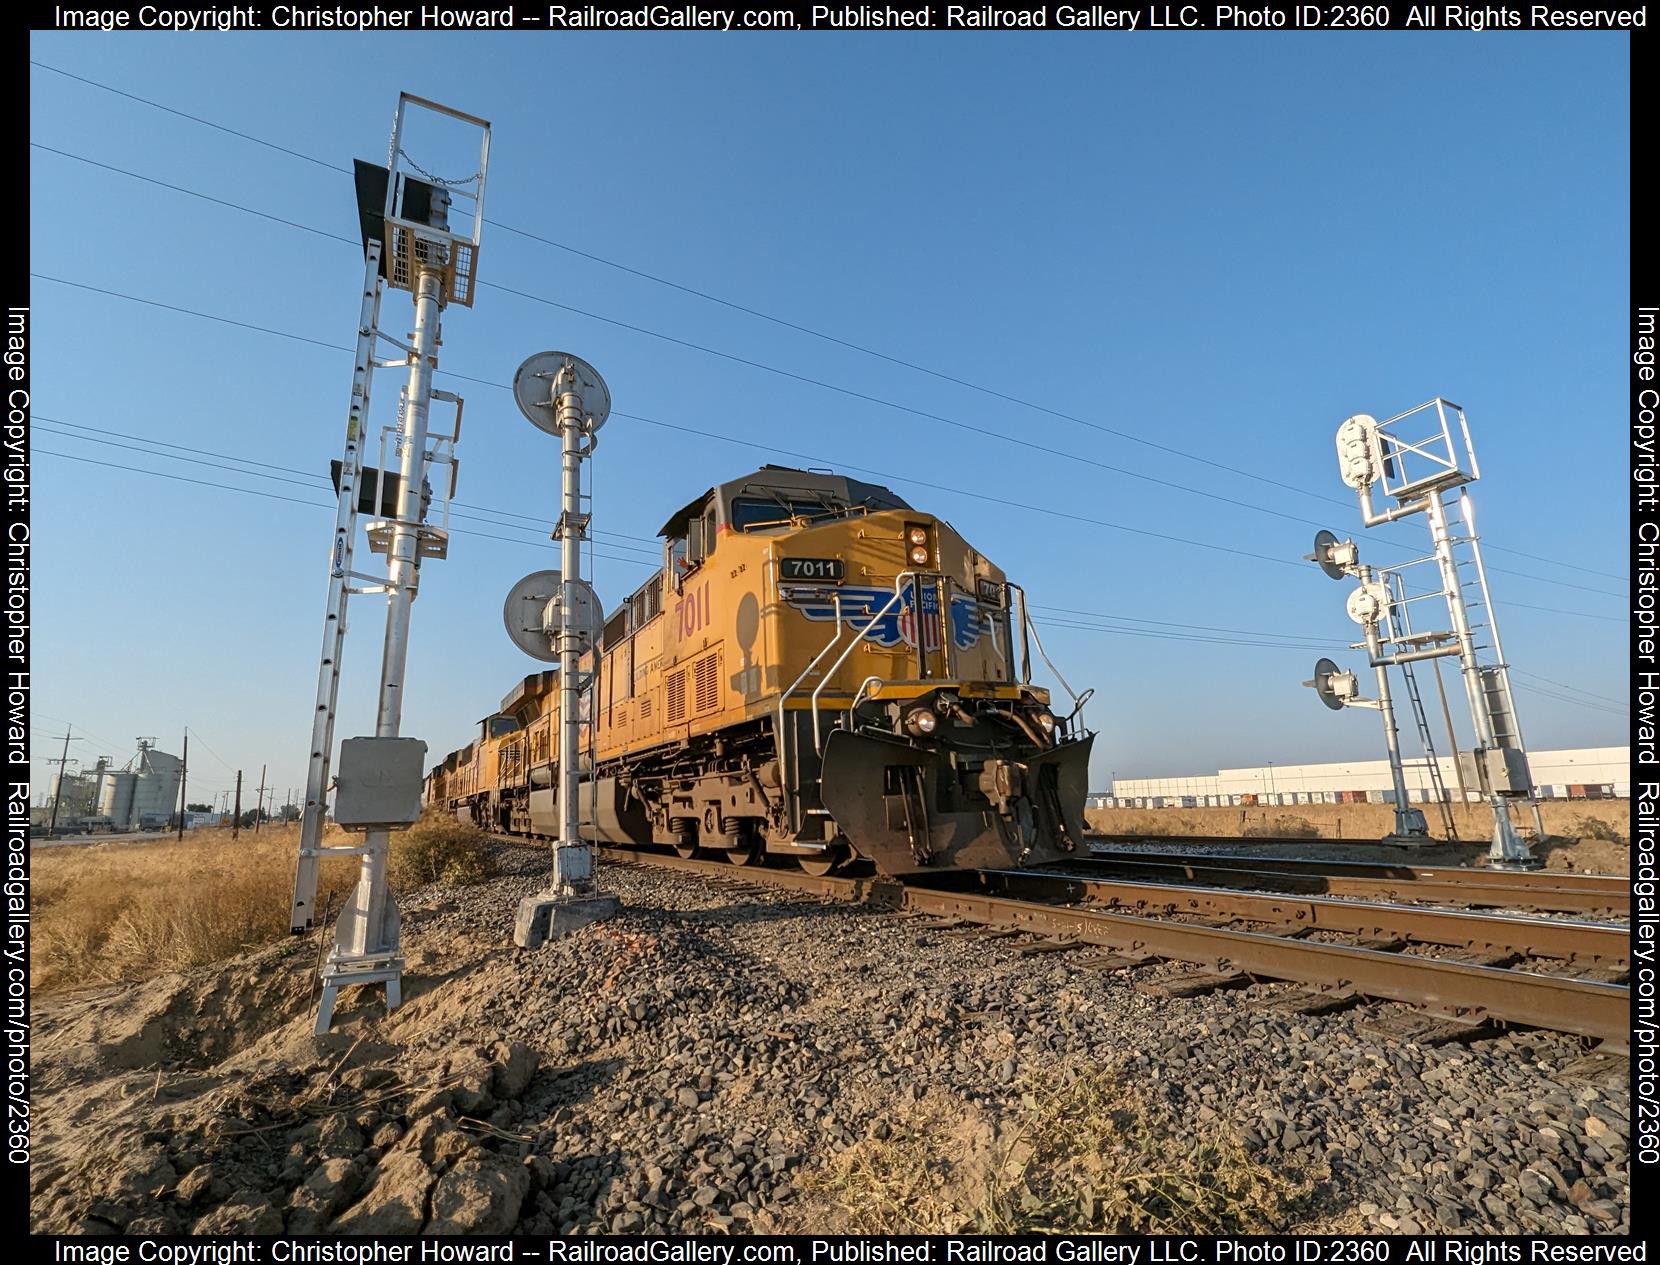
[(1567, 819), (1282, 826), (1098, 1154), (133, 911), (440, 850)]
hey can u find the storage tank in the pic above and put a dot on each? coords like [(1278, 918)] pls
[(115, 796), (155, 794)]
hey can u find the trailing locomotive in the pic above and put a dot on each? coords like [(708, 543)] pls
[(818, 671)]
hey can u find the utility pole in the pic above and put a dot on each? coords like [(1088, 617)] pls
[(184, 767), (236, 813), (260, 811), (63, 769)]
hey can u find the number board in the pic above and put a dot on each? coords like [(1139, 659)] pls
[(810, 568)]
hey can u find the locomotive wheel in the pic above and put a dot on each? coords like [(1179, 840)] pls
[(686, 853), (747, 852), (820, 866)]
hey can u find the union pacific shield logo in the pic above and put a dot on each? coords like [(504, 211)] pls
[(860, 606)]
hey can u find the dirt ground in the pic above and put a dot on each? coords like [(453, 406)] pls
[(1590, 836), (719, 1058)]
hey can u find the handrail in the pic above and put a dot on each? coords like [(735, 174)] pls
[(783, 749), (898, 592), (859, 694)]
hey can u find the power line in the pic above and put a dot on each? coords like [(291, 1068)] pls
[(1075, 625), (249, 461), (830, 386), (987, 432), (1169, 624), (1568, 698), (294, 500), (1620, 703), (1100, 522), (309, 481), (1131, 619), (1139, 531)]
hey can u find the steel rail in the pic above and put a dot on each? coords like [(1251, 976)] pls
[(1589, 944), (1451, 989), (1542, 890)]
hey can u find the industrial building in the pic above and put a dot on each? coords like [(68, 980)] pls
[(1581, 773), (142, 795)]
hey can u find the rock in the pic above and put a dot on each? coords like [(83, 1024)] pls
[(514, 1066), (194, 1185), (396, 1200), (331, 1186), (110, 1213), (338, 1136), (688, 1097), (247, 1212), (479, 1195)]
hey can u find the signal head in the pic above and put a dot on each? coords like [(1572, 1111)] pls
[(1337, 558), (1357, 450), (1335, 687)]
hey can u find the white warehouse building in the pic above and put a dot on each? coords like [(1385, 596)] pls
[(1582, 773)]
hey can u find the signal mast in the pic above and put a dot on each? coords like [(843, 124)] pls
[(1416, 459), (555, 616), (420, 234)]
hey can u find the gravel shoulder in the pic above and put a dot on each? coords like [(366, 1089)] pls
[(714, 1060)]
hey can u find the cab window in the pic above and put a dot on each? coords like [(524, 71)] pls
[(687, 554)]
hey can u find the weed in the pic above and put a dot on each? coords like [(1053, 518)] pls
[(440, 850), (1098, 1154)]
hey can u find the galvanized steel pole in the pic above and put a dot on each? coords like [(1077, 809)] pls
[(373, 932), (573, 865), (1507, 845)]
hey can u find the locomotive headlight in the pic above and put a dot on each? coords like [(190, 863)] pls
[(916, 541), (921, 722), (1046, 722)]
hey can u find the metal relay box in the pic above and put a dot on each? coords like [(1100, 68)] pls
[(379, 782), (1497, 770)]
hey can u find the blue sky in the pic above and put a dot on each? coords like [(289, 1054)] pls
[(1220, 244)]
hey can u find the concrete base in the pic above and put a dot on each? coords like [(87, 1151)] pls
[(1409, 841), (547, 916), (1516, 863)]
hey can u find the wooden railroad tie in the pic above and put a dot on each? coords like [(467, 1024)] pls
[(1407, 1025), (1306, 1001), (1193, 984), (1116, 961)]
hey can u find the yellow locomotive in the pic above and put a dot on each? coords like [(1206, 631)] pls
[(817, 671)]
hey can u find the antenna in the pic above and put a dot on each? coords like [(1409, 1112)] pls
[(420, 234), (1417, 459), (555, 615)]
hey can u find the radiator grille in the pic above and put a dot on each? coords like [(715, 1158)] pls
[(674, 690), (706, 683)]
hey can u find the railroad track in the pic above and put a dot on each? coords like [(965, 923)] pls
[(1272, 938), (1544, 890)]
